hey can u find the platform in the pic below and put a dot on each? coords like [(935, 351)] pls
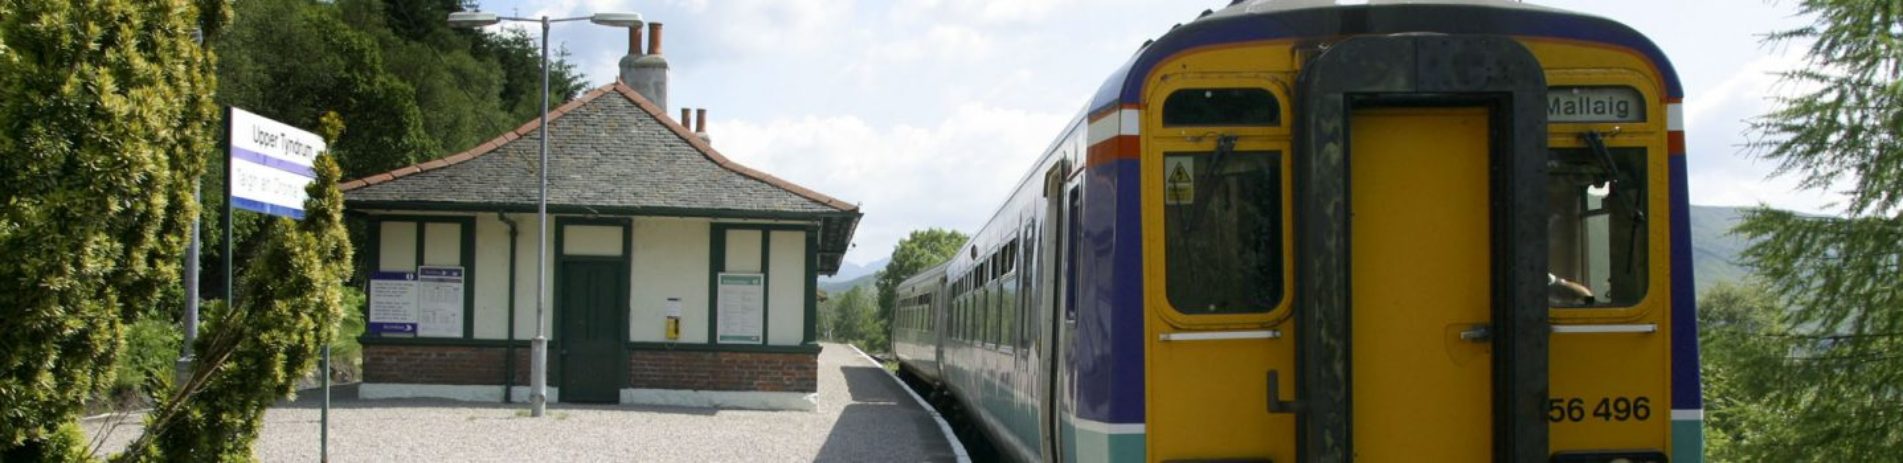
[(863, 414)]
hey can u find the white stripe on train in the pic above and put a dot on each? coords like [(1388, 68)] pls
[(1124, 122), (1675, 117)]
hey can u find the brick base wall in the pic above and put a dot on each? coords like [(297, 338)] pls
[(647, 369), (724, 371), (441, 364)]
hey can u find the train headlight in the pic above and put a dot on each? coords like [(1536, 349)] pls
[(1611, 456)]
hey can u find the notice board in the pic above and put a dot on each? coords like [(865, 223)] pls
[(741, 308), (425, 303)]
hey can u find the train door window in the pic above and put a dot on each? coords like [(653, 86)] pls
[(1073, 214), (958, 318), (1222, 230), (1596, 201), (1007, 320)]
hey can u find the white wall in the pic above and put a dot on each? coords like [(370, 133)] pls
[(786, 286), (443, 244), (491, 308), (591, 240), (398, 251), (671, 258), (525, 277), (743, 251)]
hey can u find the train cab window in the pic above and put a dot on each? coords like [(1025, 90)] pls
[(1222, 231), (1596, 201), (1221, 106)]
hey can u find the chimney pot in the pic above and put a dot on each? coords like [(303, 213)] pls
[(634, 40), (687, 121), (700, 120), (654, 38)]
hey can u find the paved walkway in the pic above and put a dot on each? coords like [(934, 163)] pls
[(862, 415)]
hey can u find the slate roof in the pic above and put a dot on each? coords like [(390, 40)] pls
[(610, 152)]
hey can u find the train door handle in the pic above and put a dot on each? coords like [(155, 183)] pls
[(1276, 404), (1478, 333)]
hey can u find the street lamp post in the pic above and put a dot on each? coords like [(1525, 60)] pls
[(538, 348)]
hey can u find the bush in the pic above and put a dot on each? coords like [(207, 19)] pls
[(346, 355), (152, 348)]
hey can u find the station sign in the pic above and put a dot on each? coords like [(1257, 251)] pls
[(270, 164), (1594, 104)]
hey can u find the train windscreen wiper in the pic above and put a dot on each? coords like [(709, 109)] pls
[(1225, 149), (1617, 184)]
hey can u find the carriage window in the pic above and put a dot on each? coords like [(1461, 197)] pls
[(1596, 224), (1222, 229), (1221, 106)]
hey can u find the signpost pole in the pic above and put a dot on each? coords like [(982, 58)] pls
[(183, 370), (323, 427), (231, 294)]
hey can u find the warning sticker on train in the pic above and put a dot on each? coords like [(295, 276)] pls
[(1179, 180)]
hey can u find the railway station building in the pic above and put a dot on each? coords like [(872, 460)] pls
[(676, 276)]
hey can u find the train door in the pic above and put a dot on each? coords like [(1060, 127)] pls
[(1054, 250), (1422, 243), (1421, 360)]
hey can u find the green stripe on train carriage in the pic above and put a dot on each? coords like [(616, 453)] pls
[(1091, 445), (1688, 441)]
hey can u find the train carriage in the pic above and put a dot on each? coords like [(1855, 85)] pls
[(1292, 230)]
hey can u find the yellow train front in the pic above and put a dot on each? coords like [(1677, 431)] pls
[(1300, 231)]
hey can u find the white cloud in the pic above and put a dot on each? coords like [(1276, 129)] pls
[(952, 174), (1722, 171), (990, 12), (754, 27), (578, 8)]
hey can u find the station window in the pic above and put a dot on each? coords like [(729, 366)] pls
[(1597, 226), (1221, 106), (1222, 230)]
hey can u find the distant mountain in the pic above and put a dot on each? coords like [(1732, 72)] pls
[(849, 272), (1714, 249), (837, 287)]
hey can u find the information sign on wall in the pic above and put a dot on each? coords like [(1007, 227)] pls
[(392, 304), (439, 302), (741, 308), (270, 164), (427, 303)]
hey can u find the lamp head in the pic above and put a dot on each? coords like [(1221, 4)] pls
[(617, 19), (473, 19)]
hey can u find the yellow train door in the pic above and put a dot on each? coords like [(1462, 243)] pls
[(1421, 285)]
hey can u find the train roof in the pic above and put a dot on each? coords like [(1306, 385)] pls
[(1255, 20), (928, 274)]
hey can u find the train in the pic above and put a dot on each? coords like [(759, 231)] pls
[(1304, 230)]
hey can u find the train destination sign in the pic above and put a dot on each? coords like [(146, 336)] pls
[(1594, 104)]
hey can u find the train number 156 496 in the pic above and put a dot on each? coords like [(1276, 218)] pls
[(1605, 409)]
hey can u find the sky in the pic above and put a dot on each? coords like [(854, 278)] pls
[(926, 112)]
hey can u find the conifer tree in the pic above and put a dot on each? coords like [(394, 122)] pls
[(106, 116), (1839, 278)]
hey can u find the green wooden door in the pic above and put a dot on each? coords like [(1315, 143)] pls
[(593, 303)]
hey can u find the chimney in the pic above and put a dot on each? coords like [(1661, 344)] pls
[(646, 73), (687, 119), (700, 125)]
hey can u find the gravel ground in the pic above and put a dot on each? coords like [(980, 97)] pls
[(862, 416)]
